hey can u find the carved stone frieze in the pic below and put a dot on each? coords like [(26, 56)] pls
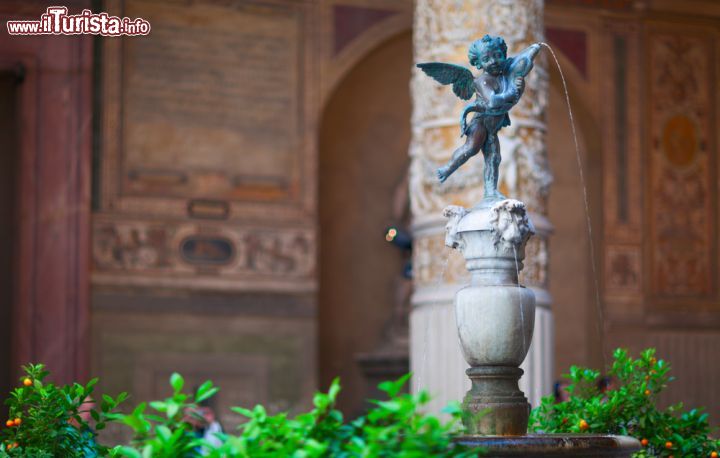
[(191, 254)]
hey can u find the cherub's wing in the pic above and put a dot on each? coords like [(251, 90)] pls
[(460, 77)]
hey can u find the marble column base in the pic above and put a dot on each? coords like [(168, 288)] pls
[(495, 405)]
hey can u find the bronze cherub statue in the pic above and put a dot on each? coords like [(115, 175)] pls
[(498, 89)]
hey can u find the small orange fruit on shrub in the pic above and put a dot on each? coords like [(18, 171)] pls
[(9, 423), (584, 425), (27, 381), (644, 442), (668, 444), (17, 422)]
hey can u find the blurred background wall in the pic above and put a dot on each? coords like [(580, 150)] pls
[(213, 198)]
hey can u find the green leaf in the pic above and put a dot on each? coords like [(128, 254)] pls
[(130, 452), (160, 406), (393, 388), (172, 409), (139, 409), (121, 398), (177, 382), (242, 411), (206, 391), (164, 432)]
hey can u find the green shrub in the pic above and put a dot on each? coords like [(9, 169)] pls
[(628, 408), (166, 432), (52, 421), (61, 421), (392, 428)]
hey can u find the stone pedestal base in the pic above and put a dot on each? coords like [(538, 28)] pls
[(495, 405), (553, 445)]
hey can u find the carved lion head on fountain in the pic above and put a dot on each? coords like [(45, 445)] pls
[(510, 223)]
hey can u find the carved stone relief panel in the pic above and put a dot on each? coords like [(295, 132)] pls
[(681, 180), (623, 274), (202, 255)]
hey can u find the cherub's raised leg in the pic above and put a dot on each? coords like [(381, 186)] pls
[(476, 134)]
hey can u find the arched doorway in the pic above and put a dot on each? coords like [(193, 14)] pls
[(363, 144)]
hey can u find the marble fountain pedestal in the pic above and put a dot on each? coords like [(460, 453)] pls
[(495, 317)]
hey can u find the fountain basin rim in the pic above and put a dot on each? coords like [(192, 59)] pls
[(580, 445)]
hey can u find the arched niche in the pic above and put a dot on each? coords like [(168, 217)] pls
[(363, 143)]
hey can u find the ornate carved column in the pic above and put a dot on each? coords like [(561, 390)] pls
[(443, 31)]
